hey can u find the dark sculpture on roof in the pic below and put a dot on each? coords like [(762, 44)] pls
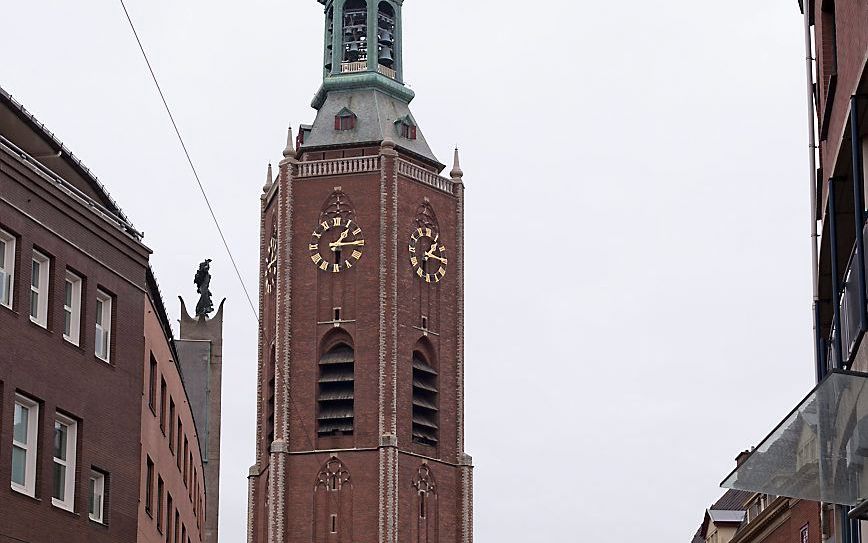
[(203, 282)]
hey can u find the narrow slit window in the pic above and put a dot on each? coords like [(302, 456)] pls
[(39, 289), (7, 268), (334, 524), (63, 495), (102, 341), (72, 308), (96, 497)]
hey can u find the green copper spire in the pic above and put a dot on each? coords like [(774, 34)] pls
[(362, 47), (363, 100)]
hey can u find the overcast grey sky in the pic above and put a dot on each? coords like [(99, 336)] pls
[(646, 162)]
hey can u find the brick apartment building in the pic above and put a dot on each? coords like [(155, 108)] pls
[(98, 441), (815, 459), (360, 433)]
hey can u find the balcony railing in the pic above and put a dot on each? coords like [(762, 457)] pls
[(422, 175), (340, 166), (354, 67), (850, 311), (388, 72)]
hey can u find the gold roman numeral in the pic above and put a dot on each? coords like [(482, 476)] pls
[(316, 258), (357, 255), (313, 247), (324, 266)]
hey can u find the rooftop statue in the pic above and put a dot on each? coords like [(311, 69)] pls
[(203, 282)]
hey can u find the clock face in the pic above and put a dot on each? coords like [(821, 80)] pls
[(428, 255), (271, 265), (336, 245)]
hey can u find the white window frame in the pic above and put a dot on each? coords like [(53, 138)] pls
[(103, 326), (7, 270), (30, 447), (68, 464), (72, 308), (96, 489), (40, 290)]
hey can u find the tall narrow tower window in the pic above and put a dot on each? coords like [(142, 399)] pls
[(386, 38), (355, 36), (336, 391), (425, 428), (329, 39)]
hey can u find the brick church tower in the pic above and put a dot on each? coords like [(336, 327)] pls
[(360, 424)]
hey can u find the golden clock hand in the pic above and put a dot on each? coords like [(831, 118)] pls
[(435, 257), (338, 243), (347, 243)]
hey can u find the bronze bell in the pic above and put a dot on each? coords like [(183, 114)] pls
[(386, 56)]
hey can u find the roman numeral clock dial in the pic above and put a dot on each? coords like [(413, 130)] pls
[(428, 255), (336, 245)]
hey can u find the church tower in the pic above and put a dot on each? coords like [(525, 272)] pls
[(360, 415)]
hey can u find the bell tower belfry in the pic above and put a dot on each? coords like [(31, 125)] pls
[(360, 412)]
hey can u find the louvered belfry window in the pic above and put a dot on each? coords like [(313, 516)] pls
[(336, 391), (425, 428)]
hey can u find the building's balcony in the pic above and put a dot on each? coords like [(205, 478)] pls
[(849, 310)]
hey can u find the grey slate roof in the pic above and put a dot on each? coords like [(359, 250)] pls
[(376, 113)]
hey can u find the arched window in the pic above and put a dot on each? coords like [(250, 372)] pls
[(386, 35), (333, 503), (336, 395), (355, 33), (425, 398)]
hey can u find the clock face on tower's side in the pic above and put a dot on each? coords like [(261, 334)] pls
[(336, 245), (428, 255), (271, 265)]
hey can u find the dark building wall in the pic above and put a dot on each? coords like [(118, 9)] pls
[(165, 446), (200, 351), (102, 397)]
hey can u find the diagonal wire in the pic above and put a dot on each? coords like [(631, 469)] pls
[(205, 196), (190, 161)]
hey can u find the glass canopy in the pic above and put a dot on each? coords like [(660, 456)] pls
[(819, 452)]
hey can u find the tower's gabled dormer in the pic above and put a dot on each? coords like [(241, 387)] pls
[(363, 73)]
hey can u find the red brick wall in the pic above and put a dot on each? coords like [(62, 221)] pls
[(357, 292), (155, 442), (105, 398)]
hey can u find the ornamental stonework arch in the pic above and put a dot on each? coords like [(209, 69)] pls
[(338, 205), (333, 503), (426, 217), (426, 529)]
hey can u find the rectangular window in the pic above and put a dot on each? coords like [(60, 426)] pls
[(163, 405), (152, 386), (334, 524), (39, 289), (72, 308), (7, 268), (96, 497), (149, 488), (25, 425), (171, 425), (180, 433), (160, 493), (102, 342), (63, 494), (186, 464), (170, 504)]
